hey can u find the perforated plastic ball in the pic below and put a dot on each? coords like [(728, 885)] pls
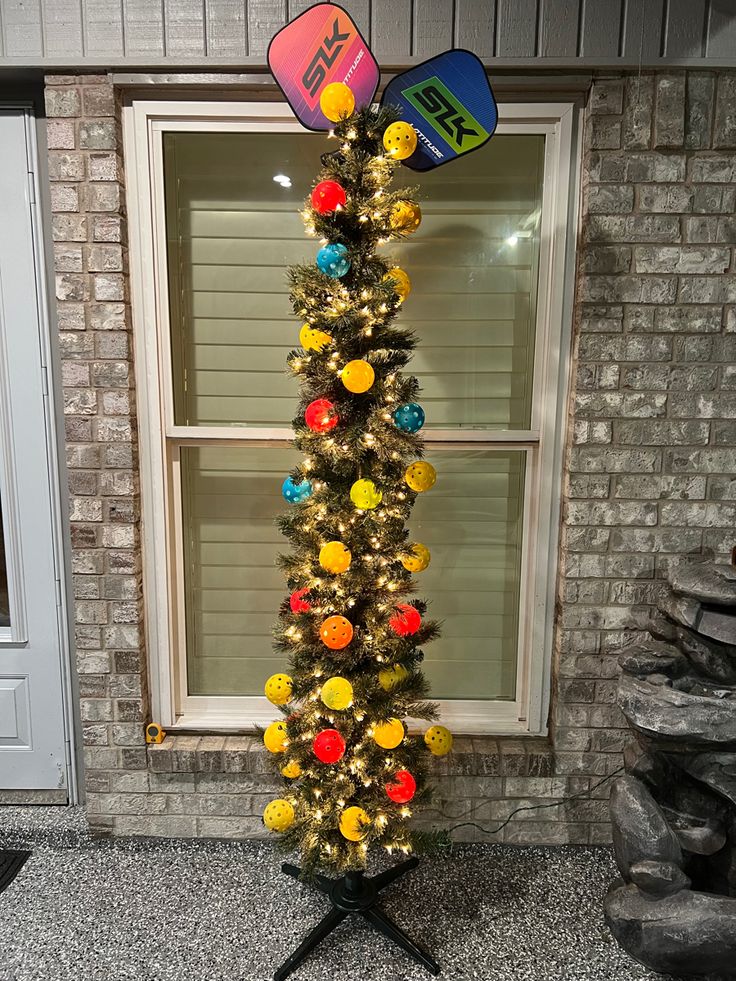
[(418, 559), (274, 738), (294, 492), (299, 601), (389, 734), (291, 770), (400, 140), (389, 678), (327, 196), (405, 620), (400, 282), (321, 416), (438, 740), (409, 418), (337, 694), (312, 339), (278, 815), (335, 557), (358, 376), (365, 495), (333, 260), (329, 746), (336, 632), (406, 216), (336, 101), (353, 823), (278, 689), (420, 476), (402, 788)]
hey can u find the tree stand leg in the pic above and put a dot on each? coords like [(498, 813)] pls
[(354, 893)]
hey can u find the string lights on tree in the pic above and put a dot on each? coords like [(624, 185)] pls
[(351, 633)]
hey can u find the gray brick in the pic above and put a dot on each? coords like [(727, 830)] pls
[(606, 96), (629, 289), (636, 130), (610, 199), (707, 289), (698, 110), (681, 259), (607, 259), (647, 432), (714, 168), (724, 133), (604, 132), (635, 228), (659, 487), (669, 113), (665, 198)]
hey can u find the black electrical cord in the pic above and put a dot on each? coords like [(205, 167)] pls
[(583, 795)]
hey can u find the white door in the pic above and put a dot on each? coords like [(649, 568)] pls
[(32, 737)]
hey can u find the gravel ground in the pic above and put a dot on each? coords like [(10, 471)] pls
[(153, 910)]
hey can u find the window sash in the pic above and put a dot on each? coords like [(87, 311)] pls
[(144, 125)]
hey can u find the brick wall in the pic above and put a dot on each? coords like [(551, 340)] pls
[(88, 230), (651, 451), (652, 445)]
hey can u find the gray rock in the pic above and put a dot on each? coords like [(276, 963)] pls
[(640, 830), (658, 878), (705, 581), (717, 661), (687, 933), (680, 609), (676, 716), (653, 657), (716, 770), (717, 625)]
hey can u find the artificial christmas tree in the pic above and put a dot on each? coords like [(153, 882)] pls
[(353, 642)]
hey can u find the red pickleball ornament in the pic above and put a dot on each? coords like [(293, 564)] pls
[(328, 196), (405, 620), (329, 746), (299, 602), (403, 788), (321, 416)]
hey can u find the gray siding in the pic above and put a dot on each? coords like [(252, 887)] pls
[(130, 33)]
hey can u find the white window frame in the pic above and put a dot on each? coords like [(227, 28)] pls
[(144, 123)]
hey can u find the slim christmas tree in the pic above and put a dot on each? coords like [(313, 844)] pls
[(354, 644)]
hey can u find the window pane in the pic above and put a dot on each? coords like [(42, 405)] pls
[(472, 524), (231, 497), (232, 231), (474, 266)]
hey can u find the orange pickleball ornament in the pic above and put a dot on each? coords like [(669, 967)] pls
[(336, 632)]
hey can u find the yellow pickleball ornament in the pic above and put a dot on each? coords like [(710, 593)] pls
[(399, 140), (278, 689), (274, 738), (402, 283), (438, 740), (337, 693), (389, 734), (365, 495), (358, 376), (420, 476), (418, 559), (312, 339), (335, 557), (336, 101), (353, 823), (278, 815), (389, 678), (405, 216), (292, 770)]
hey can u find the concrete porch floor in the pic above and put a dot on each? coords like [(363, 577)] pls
[(154, 910)]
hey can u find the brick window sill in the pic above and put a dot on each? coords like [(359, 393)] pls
[(471, 756)]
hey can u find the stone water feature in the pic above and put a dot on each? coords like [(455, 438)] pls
[(674, 813)]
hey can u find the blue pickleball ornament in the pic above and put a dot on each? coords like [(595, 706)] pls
[(296, 493), (333, 259), (409, 418)]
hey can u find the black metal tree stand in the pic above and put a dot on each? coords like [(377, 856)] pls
[(354, 893)]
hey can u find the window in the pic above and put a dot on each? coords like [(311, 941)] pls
[(213, 327)]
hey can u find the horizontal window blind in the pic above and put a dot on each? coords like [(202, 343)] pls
[(232, 230)]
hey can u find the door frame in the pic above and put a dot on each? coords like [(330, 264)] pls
[(53, 441)]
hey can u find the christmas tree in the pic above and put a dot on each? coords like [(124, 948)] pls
[(353, 772)]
